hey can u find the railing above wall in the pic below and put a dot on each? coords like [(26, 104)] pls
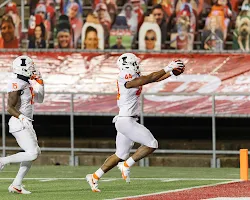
[(72, 113)]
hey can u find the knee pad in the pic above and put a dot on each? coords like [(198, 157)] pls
[(39, 150), (34, 154), (154, 144), (122, 156)]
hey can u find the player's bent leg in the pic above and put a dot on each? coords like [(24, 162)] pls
[(136, 132), (142, 152), (93, 179), (28, 142), (23, 170), (123, 147)]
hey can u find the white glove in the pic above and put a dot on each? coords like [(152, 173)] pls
[(37, 76), (173, 65), (27, 122)]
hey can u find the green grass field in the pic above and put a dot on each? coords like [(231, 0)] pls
[(69, 182)]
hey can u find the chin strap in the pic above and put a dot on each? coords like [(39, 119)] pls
[(24, 78)]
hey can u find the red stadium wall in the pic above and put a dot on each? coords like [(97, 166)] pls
[(94, 72)]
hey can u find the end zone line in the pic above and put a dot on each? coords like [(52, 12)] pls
[(177, 190)]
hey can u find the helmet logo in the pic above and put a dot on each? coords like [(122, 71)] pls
[(124, 60), (23, 62)]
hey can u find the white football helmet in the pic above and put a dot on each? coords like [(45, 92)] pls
[(23, 65), (129, 62)]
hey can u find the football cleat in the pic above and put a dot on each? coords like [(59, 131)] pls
[(18, 189), (125, 171), (93, 183)]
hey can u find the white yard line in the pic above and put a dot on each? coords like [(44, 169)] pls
[(178, 190), (114, 179)]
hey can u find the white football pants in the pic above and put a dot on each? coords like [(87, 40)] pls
[(128, 132), (27, 140)]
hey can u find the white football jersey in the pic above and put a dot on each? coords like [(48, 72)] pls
[(128, 98), (26, 103)]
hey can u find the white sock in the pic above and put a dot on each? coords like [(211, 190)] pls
[(99, 173), (129, 162), (23, 170), (17, 158)]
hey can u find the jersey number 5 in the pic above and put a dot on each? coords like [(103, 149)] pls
[(14, 85)]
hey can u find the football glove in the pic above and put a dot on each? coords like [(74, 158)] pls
[(175, 68), (37, 76), (26, 122)]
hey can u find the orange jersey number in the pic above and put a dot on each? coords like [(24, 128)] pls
[(127, 76), (14, 85)]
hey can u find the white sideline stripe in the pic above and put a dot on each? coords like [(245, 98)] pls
[(177, 190), (157, 179)]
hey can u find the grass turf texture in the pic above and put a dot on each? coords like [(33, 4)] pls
[(79, 189)]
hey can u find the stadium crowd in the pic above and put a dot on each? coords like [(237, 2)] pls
[(129, 24)]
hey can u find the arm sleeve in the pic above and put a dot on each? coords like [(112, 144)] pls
[(39, 93)]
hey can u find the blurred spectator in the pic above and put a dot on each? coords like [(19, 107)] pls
[(32, 6), (64, 40), (195, 5), (186, 10), (33, 22), (105, 21), (39, 41), (111, 7), (118, 44), (11, 10), (41, 10), (8, 38), (150, 39), (167, 6), (242, 32), (131, 17), (183, 39), (67, 4), (51, 15), (159, 15), (150, 34), (212, 36), (137, 7), (221, 10), (91, 38), (75, 22)]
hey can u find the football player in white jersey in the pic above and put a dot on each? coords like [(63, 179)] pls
[(26, 88), (129, 85)]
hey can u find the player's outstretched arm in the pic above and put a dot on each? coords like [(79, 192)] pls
[(13, 98), (143, 80), (176, 68)]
